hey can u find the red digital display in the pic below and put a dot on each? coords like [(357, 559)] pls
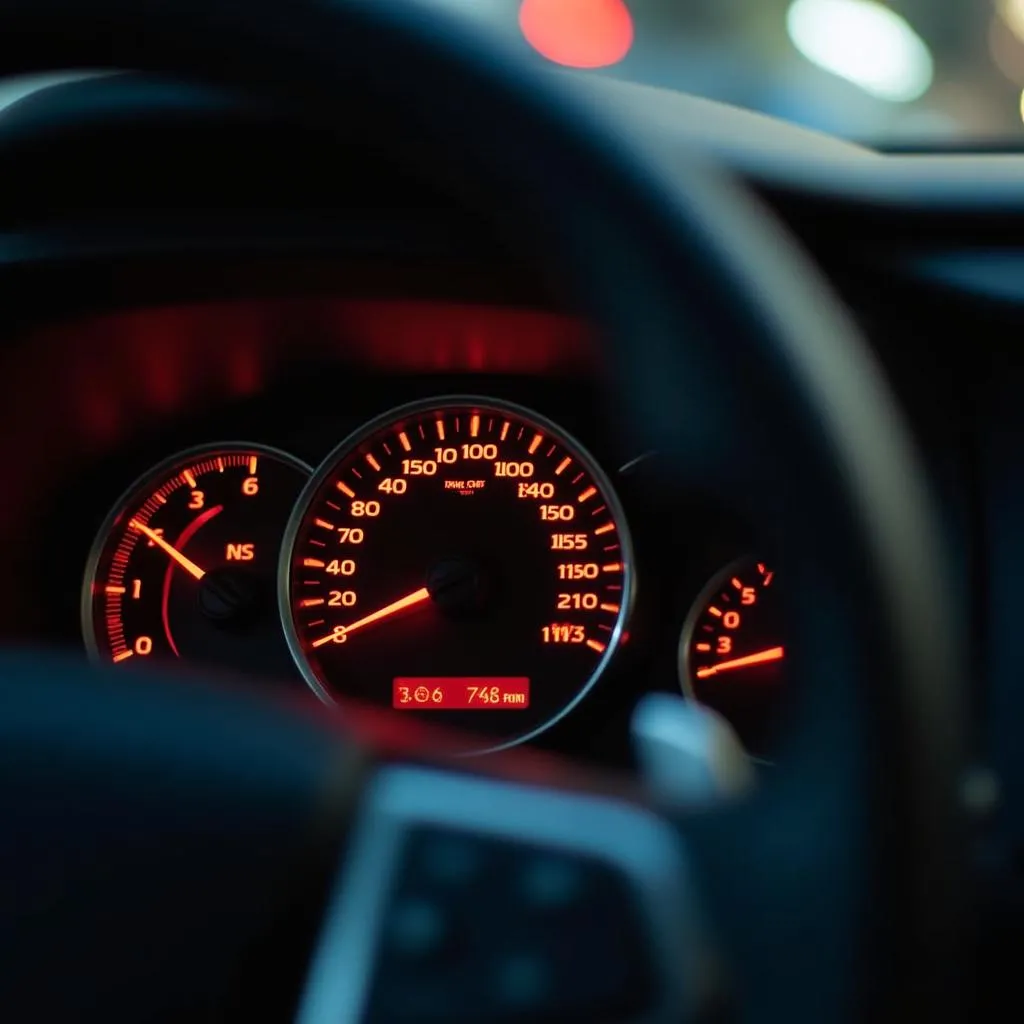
[(460, 693)]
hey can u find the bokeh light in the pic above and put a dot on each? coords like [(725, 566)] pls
[(578, 33), (863, 42)]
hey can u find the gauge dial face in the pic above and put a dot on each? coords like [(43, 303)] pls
[(462, 558), (185, 565), (731, 654)]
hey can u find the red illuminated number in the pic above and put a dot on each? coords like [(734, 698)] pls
[(724, 645), (342, 598), (365, 508), (250, 486), (483, 695), (136, 589), (748, 596), (536, 491), (586, 601), (569, 542), (345, 567), (419, 467), (196, 500), (520, 469), (559, 633), (731, 620), (578, 571), (143, 646), (350, 535), (393, 486), (404, 697), (446, 455), (438, 695), (563, 512), (479, 451)]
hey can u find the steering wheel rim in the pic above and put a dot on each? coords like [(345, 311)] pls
[(658, 253)]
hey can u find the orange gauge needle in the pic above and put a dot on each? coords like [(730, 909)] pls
[(772, 654), (416, 597), (183, 560)]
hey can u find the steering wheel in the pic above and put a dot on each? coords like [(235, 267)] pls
[(176, 852)]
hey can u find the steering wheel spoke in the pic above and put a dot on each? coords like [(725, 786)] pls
[(469, 899)]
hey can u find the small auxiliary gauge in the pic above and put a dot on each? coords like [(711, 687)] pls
[(185, 565), (732, 652)]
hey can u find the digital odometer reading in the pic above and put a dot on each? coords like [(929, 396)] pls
[(428, 693), (457, 541)]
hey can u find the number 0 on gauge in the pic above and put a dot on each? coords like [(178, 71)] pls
[(461, 557)]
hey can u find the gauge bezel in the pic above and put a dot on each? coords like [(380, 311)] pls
[(444, 403), (161, 470), (683, 667)]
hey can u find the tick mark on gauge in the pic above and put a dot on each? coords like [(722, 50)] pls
[(323, 524), (403, 440), (607, 528), (538, 439), (345, 489), (374, 464), (596, 645), (189, 478), (613, 608), (312, 563), (123, 655), (440, 429), (311, 602), (474, 425), (587, 494), (561, 467)]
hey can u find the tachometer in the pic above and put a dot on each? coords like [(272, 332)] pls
[(185, 565), (731, 653), (460, 557)]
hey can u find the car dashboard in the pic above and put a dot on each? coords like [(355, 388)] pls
[(273, 294)]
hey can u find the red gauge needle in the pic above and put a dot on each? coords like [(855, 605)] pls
[(416, 597), (183, 560), (772, 654)]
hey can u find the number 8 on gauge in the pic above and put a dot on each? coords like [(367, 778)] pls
[(460, 556)]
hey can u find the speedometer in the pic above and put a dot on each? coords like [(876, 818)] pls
[(461, 558)]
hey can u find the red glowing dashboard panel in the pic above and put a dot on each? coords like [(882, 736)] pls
[(460, 693)]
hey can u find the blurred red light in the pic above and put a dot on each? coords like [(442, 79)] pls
[(578, 33)]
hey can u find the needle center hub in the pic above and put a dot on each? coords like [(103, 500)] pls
[(457, 586)]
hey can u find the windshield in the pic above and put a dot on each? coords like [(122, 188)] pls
[(903, 72)]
